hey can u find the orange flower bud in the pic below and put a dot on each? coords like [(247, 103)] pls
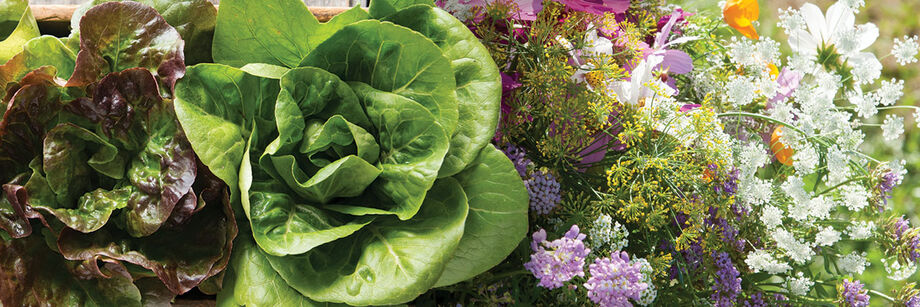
[(740, 14)]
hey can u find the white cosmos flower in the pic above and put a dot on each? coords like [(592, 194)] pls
[(637, 87), (836, 28)]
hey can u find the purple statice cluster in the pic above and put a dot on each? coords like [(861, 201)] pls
[(727, 284), (729, 233), (852, 293), (558, 261), (615, 280), (544, 192), (543, 188)]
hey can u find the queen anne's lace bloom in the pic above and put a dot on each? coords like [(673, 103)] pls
[(853, 263), (799, 285), (615, 280), (558, 261), (892, 127), (906, 51)]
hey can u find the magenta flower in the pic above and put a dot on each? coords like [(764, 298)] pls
[(558, 261), (675, 61), (598, 7)]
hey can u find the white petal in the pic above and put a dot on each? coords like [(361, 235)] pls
[(803, 42), (866, 35), (815, 21), (839, 18)]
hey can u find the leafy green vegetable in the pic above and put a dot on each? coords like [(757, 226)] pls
[(17, 26), (38, 52), (277, 39), (102, 166), (193, 19), (115, 36), (358, 149)]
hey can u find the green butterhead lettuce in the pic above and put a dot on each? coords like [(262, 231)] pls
[(357, 152)]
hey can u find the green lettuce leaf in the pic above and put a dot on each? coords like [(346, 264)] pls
[(17, 26), (478, 82), (270, 31), (392, 59), (497, 221), (381, 264)]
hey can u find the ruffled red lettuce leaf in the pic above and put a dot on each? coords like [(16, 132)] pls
[(31, 274), (115, 36), (181, 255)]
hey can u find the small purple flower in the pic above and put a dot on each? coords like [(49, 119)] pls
[(558, 261), (913, 301), (519, 158), (852, 293), (727, 284), (907, 239), (615, 280), (899, 227), (544, 192), (889, 181), (756, 300)]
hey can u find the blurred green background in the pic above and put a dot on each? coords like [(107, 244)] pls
[(894, 18)]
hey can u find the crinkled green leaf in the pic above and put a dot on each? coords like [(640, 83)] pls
[(217, 106), (282, 226), (478, 87), (71, 153), (393, 59), (390, 261), (38, 52), (115, 36), (251, 281), (497, 221), (269, 31), (346, 177), (309, 92), (412, 148), (31, 274), (17, 26)]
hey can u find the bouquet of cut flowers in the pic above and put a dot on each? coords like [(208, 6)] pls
[(675, 157)]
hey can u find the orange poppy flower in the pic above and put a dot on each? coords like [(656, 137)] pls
[(782, 152), (740, 14)]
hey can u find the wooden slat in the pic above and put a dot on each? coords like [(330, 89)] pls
[(62, 13)]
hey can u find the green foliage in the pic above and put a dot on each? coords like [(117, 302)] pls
[(127, 213), (359, 179)]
